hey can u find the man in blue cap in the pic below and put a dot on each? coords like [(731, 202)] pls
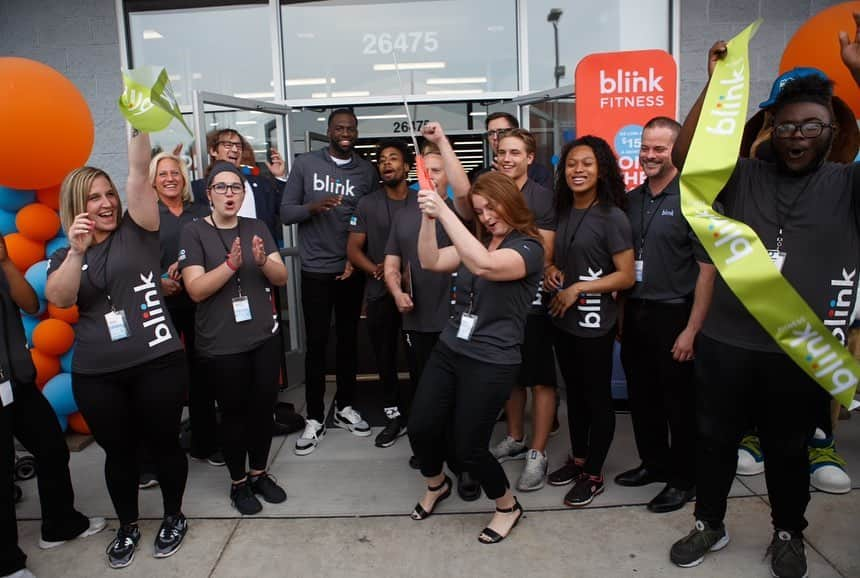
[(806, 211)]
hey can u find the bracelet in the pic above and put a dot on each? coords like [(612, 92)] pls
[(264, 263), (229, 266)]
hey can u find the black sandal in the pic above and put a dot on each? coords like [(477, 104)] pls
[(419, 513), (493, 537)]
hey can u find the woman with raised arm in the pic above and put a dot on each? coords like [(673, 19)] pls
[(128, 372), (476, 362)]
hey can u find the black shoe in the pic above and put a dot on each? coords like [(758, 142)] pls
[(690, 550), (670, 499), (170, 535), (413, 463), (244, 500), (490, 536), (419, 513), (468, 488), (641, 476), (120, 551), (395, 428), (147, 481), (216, 459), (787, 555), (565, 474), (265, 485)]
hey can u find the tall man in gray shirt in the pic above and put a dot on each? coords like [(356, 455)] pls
[(663, 312), (321, 195)]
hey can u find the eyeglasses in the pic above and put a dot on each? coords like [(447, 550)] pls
[(222, 188), (227, 144), (498, 132), (808, 129)]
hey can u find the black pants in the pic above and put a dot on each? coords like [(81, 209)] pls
[(141, 405), (419, 347), (586, 366), (12, 558), (383, 324), (660, 390), (737, 387), (246, 387), (465, 395), (320, 295)]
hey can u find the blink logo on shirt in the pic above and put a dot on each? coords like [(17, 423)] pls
[(152, 310), (589, 303), (668, 213), (334, 186), (839, 314)]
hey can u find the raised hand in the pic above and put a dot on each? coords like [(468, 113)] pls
[(717, 52), (81, 233), (851, 49), (277, 166), (433, 132), (259, 251), (430, 203), (234, 257)]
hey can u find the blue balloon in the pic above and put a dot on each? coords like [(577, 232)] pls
[(13, 199), (66, 360), (64, 422), (30, 322), (37, 277), (57, 242), (58, 392), (7, 223)]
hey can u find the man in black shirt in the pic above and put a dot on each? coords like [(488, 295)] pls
[(498, 124), (807, 211)]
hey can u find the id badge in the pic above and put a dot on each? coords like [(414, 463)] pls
[(6, 397), (778, 258), (117, 325), (639, 264), (241, 309), (467, 326)]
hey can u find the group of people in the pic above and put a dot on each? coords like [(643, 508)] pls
[(487, 289)]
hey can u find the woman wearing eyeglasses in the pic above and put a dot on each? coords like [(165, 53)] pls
[(230, 265)]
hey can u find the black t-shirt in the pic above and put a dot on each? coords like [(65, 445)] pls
[(668, 247), (374, 217), (14, 355), (168, 235), (430, 290), (820, 215), (501, 306), (537, 172), (217, 331), (126, 266), (584, 245)]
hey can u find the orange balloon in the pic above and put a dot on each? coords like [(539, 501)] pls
[(68, 314), (53, 337), (78, 425), (38, 222), (49, 196), (39, 101), (816, 44), (22, 250), (47, 366)]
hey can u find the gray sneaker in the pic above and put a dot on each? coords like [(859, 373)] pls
[(690, 550), (351, 420), (510, 449), (787, 556), (534, 472)]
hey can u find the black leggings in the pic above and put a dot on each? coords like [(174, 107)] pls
[(383, 325), (586, 365), (464, 395), (141, 405), (246, 387)]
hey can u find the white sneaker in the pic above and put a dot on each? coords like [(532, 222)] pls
[(22, 573), (96, 526), (351, 420), (310, 438), (534, 472), (826, 467), (510, 449)]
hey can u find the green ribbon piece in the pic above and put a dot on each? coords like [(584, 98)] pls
[(147, 100), (736, 250)]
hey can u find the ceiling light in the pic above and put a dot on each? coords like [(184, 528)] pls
[(350, 93), (457, 91), (320, 119), (458, 80), (477, 114), (151, 35), (196, 75), (174, 77), (304, 81), (319, 95), (468, 142), (244, 122), (409, 66), (254, 94), (379, 116)]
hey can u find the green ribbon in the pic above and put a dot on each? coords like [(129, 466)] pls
[(147, 100), (736, 250)]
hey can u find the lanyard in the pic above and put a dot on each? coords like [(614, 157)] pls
[(104, 287), (781, 217), (643, 226), (569, 243), (227, 249)]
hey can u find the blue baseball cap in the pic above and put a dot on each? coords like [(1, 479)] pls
[(786, 78)]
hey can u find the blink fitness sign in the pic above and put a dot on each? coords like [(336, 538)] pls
[(617, 93)]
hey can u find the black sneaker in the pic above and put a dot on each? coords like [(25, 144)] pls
[(147, 481), (787, 555), (690, 550), (244, 500), (120, 551), (170, 535), (395, 428), (216, 459), (565, 474), (265, 485), (584, 489)]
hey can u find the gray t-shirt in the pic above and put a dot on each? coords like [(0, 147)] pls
[(430, 290), (501, 307), (127, 267), (820, 214), (374, 217), (217, 331), (541, 202), (313, 177), (663, 240), (584, 245), (14, 355)]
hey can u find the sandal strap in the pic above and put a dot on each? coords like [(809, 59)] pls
[(510, 510), (447, 480), (493, 536)]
